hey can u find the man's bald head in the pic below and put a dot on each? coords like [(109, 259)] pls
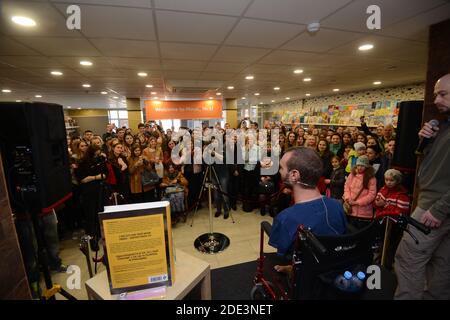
[(442, 94)]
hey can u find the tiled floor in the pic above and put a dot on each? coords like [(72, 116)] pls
[(244, 235)]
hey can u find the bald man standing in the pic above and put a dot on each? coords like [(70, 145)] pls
[(423, 270)]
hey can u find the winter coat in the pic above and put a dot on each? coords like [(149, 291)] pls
[(337, 181), (397, 201), (363, 207)]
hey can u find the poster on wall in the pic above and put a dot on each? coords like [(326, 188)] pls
[(138, 246), (183, 110)]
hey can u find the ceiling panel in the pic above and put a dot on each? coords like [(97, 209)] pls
[(321, 41), (12, 47), (248, 33), (228, 7), (49, 21), (115, 22), (60, 46), (283, 57), (126, 48), (135, 63), (239, 54), (31, 61), (217, 76), (353, 17), (298, 11), (187, 51), (183, 65), (120, 3), (189, 27), (225, 67), (181, 75)]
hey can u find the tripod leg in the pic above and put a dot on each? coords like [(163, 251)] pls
[(200, 194), (226, 204)]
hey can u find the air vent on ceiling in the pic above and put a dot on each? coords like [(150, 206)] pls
[(190, 90)]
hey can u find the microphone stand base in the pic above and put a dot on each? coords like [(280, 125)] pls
[(211, 243)]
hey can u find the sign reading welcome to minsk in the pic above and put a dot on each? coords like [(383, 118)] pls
[(185, 110)]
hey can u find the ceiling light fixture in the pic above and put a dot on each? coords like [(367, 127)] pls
[(218, 94), (104, 92), (38, 96), (307, 79), (298, 71), (18, 100), (6, 91), (377, 83), (153, 92), (257, 94), (86, 85), (56, 73), (249, 77), (23, 21), (276, 88), (287, 98), (86, 63), (230, 87), (142, 74), (273, 100), (365, 47), (243, 98), (308, 94), (79, 108), (149, 86), (115, 97), (336, 90), (69, 107)]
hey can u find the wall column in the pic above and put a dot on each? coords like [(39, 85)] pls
[(134, 113), (231, 112)]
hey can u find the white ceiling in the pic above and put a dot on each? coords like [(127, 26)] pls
[(210, 44)]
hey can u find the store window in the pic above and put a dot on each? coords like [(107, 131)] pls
[(118, 117)]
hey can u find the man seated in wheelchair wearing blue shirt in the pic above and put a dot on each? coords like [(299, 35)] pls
[(300, 170)]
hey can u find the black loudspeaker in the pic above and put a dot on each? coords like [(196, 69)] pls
[(407, 140), (34, 149)]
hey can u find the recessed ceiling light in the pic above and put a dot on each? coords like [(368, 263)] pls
[(18, 100), (86, 63), (218, 94), (156, 98), (69, 107), (56, 73), (377, 83), (210, 97), (142, 74), (6, 90), (276, 88), (86, 85), (260, 103), (230, 87), (257, 94), (307, 79), (287, 98), (336, 90), (149, 86), (104, 92), (298, 71), (115, 97), (153, 92), (24, 21), (243, 98), (38, 96), (273, 100), (365, 47), (308, 94), (249, 77), (79, 108)]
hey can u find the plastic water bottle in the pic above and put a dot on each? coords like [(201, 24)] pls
[(343, 281)]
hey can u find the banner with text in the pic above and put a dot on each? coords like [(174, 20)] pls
[(184, 110)]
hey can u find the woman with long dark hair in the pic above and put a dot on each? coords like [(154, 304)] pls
[(118, 165)]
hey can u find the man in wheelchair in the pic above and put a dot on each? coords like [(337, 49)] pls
[(300, 169)]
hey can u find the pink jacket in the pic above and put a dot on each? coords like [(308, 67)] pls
[(363, 207)]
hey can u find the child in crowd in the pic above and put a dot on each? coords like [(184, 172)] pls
[(391, 200), (359, 192), (359, 150), (337, 179)]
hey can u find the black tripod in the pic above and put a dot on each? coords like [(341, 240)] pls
[(211, 242)]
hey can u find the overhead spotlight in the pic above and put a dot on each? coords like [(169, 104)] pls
[(308, 94), (142, 74), (243, 98), (23, 21), (377, 83), (307, 79), (249, 77), (56, 73), (6, 91), (288, 98), (218, 94), (115, 97), (86, 63), (365, 47), (230, 87), (153, 92), (257, 94), (298, 71), (18, 100), (336, 90), (276, 88), (104, 92), (38, 96), (273, 100), (86, 85), (149, 86)]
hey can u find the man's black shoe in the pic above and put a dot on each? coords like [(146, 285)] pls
[(226, 215), (217, 214)]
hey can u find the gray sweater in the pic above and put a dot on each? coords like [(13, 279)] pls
[(434, 175)]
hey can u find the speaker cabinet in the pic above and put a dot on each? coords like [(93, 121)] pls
[(34, 148)]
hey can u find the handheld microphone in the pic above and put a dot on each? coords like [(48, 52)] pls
[(424, 141)]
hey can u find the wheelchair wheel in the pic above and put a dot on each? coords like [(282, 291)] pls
[(259, 292)]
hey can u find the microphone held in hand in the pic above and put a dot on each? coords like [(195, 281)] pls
[(424, 141)]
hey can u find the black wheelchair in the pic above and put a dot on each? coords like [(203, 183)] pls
[(325, 267)]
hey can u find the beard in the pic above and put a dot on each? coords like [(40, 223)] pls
[(443, 109)]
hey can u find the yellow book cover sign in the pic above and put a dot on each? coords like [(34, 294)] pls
[(138, 246)]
